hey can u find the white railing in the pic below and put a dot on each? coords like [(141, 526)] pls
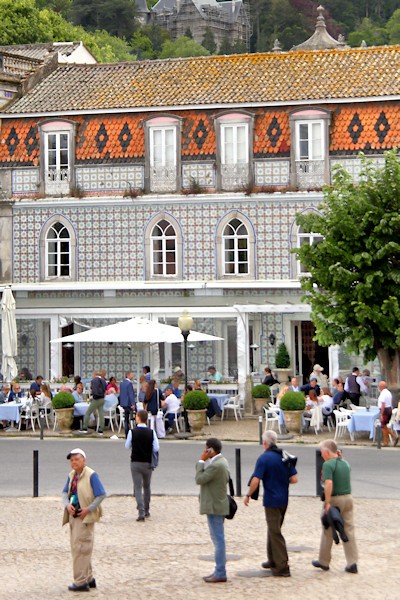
[(235, 176), (310, 173), (163, 179)]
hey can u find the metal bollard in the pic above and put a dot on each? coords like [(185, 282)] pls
[(260, 428), (41, 421), (378, 436), (319, 461), (35, 473), (238, 472)]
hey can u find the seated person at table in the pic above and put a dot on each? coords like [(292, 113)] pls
[(327, 403), (172, 406), (5, 393), (78, 394), (197, 385), (179, 374), (15, 392), (285, 388), (146, 372), (112, 385), (45, 395), (340, 396), (313, 385), (269, 379), (214, 375), (312, 399), (174, 386), (35, 389)]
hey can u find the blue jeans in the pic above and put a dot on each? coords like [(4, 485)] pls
[(216, 527)]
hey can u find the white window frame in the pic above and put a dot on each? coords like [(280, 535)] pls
[(44, 251), (310, 237), (235, 128), (164, 250), (310, 124), (58, 166), (58, 179), (163, 130), (236, 250)]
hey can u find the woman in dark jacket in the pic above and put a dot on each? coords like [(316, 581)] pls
[(152, 399)]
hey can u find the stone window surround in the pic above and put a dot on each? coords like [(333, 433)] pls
[(294, 243), (308, 115), (162, 120), (148, 247), (56, 126), (233, 117), (43, 249), (219, 246)]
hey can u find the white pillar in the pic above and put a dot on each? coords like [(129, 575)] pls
[(155, 356), (243, 359), (55, 349), (333, 354)]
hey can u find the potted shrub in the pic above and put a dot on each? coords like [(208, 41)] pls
[(282, 363), (63, 405), (293, 405), (195, 403), (260, 394)]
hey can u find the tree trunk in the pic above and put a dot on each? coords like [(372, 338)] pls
[(390, 368)]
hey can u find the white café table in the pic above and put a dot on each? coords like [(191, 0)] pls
[(220, 398), (363, 420), (80, 408), (9, 411)]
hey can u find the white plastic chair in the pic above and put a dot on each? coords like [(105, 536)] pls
[(178, 418), (111, 414), (234, 404), (316, 419), (29, 414), (342, 421), (272, 418)]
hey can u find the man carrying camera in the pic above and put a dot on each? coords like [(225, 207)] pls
[(82, 496), (276, 470)]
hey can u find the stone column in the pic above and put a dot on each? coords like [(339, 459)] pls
[(6, 249)]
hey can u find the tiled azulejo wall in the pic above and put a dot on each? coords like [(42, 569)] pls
[(111, 239)]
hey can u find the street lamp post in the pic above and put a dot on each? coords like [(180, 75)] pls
[(185, 323)]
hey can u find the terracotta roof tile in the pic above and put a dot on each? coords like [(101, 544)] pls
[(319, 75)]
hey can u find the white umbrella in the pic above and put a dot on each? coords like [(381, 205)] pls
[(8, 335), (136, 330)]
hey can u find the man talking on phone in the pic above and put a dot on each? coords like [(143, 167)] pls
[(82, 496), (212, 475)]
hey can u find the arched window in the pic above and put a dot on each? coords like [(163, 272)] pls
[(236, 248), (310, 239), (163, 249), (58, 251)]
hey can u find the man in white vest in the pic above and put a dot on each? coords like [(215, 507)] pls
[(82, 496)]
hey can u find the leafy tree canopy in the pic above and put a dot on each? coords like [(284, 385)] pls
[(182, 47), (354, 280)]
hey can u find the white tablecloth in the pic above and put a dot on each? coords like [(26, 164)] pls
[(80, 408), (220, 398), (10, 411), (363, 420)]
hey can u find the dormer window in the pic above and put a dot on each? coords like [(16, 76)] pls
[(57, 143), (234, 134), (163, 145), (310, 148)]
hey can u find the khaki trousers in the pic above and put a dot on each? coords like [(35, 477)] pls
[(82, 537), (95, 405), (276, 546), (345, 504)]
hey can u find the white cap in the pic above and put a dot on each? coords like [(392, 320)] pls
[(76, 451)]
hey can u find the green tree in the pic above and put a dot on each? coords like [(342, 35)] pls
[(225, 47), (115, 16), (393, 27), (182, 47), (208, 41), (370, 32), (188, 33), (353, 287)]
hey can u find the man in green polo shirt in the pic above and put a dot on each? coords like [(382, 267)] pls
[(337, 488)]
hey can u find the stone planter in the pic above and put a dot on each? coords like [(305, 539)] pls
[(259, 403), (197, 419), (293, 420), (64, 419), (284, 375)]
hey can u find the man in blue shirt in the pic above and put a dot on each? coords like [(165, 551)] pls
[(276, 472), (127, 398), (82, 496)]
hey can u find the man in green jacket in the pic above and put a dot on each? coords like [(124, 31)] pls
[(212, 475)]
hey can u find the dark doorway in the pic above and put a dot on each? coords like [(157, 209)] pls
[(68, 363), (312, 352)]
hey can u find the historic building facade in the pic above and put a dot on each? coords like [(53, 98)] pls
[(147, 188)]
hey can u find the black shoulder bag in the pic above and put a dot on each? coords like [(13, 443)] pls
[(232, 502)]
